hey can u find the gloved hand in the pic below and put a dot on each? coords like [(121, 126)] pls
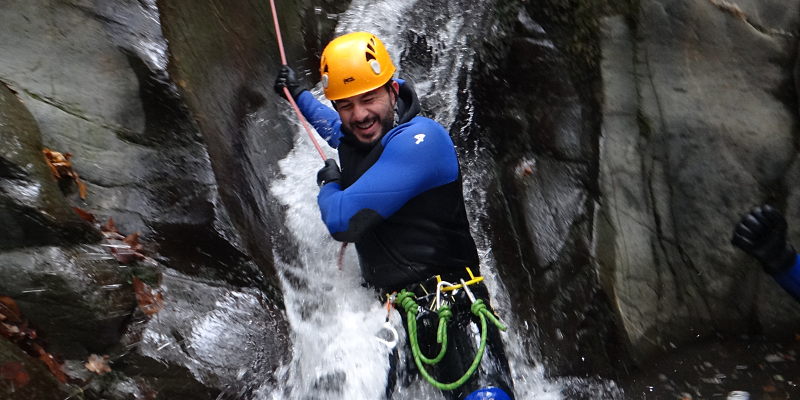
[(329, 173), (288, 78), (761, 233)]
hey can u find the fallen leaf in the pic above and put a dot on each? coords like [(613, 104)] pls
[(51, 363), (8, 330), (85, 215), (14, 371), (150, 302), (133, 241), (61, 168), (10, 310), (109, 226), (82, 190), (98, 364), (126, 255)]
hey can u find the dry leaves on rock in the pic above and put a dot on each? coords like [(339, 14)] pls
[(98, 364), (61, 168), (149, 300), (51, 362), (125, 249), (15, 328), (85, 215), (12, 325)]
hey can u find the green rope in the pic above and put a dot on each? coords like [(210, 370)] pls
[(406, 300)]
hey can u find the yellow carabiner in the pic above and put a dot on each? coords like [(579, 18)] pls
[(472, 280)]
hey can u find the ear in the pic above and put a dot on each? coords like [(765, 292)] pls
[(396, 87)]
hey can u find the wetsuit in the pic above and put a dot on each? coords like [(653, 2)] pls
[(400, 201), (789, 278)]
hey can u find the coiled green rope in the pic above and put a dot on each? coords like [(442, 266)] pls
[(406, 300)]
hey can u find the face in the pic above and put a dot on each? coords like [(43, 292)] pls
[(368, 115)]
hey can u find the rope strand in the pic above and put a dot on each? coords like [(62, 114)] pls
[(286, 92)]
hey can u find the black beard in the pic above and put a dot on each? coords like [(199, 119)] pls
[(387, 123)]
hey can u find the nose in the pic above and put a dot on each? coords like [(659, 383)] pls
[(359, 112)]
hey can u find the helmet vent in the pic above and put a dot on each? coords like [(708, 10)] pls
[(370, 56), (370, 47), (376, 66)]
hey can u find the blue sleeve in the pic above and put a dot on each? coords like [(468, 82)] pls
[(418, 156), (790, 279), (325, 120)]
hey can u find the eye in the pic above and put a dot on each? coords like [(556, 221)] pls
[(344, 106)]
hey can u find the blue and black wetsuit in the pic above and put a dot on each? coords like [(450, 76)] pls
[(400, 201), (789, 278)]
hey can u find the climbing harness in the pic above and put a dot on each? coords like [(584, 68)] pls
[(408, 301), (286, 90)]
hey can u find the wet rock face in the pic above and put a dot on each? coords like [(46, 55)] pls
[(77, 301), (221, 57), (92, 79), (621, 201), (699, 120), (545, 164), (32, 208), (228, 338)]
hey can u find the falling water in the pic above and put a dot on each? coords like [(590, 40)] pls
[(335, 321)]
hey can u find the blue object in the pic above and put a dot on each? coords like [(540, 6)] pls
[(417, 156), (490, 393), (789, 279)]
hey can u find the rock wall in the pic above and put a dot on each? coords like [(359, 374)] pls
[(638, 134), (543, 202), (90, 78), (699, 125)]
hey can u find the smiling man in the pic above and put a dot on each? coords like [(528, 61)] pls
[(398, 197)]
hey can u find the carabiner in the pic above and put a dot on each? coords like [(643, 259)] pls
[(390, 344)]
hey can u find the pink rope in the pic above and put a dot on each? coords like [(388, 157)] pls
[(286, 90)]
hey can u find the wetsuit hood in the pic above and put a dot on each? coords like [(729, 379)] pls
[(407, 108), (407, 102)]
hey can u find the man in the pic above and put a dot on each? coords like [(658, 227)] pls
[(399, 198), (762, 234)]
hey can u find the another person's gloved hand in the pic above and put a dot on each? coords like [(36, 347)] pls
[(762, 234), (287, 78), (329, 173)]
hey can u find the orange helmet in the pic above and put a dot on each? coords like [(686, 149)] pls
[(354, 63)]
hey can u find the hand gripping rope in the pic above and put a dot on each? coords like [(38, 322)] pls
[(407, 300), (286, 90), (297, 110)]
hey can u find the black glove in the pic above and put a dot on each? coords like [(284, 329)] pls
[(761, 233), (287, 78), (329, 173)]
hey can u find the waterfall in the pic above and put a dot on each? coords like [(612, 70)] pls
[(334, 320)]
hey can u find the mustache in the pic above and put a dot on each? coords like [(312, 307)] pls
[(364, 120)]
